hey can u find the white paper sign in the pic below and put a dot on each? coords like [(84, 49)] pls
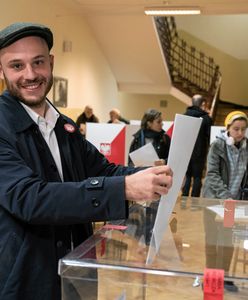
[(239, 213), (144, 156), (183, 140)]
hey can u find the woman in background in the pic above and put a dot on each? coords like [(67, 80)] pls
[(226, 175), (227, 160), (151, 131)]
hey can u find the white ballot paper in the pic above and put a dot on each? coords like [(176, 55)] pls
[(183, 139), (144, 156)]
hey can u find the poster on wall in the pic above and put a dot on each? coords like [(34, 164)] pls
[(60, 86)]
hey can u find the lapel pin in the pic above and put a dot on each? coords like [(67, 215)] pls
[(70, 128)]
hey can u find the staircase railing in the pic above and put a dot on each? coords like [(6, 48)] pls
[(191, 71)]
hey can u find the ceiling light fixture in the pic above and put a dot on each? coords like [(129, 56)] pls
[(171, 11)]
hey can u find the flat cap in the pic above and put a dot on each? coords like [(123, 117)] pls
[(17, 31)]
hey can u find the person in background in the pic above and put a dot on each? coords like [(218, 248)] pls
[(226, 171), (86, 117), (198, 158), (151, 131), (115, 117), (53, 182)]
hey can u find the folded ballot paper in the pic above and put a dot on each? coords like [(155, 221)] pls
[(183, 139), (144, 156)]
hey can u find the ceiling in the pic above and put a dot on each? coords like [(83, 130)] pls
[(128, 40)]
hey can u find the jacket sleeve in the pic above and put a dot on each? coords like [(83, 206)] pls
[(27, 197), (215, 185)]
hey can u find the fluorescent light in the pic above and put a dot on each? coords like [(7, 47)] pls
[(171, 11)]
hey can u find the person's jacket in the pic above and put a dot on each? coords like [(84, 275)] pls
[(38, 214), (161, 142), (82, 119), (218, 171), (202, 142)]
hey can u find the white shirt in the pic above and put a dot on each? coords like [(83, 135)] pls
[(46, 126)]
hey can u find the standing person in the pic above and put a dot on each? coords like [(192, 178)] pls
[(227, 159), (226, 172), (151, 131), (53, 183), (198, 157), (86, 117), (115, 117)]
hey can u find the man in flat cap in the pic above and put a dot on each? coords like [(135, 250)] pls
[(53, 183)]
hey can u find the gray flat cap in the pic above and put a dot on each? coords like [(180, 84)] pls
[(17, 31)]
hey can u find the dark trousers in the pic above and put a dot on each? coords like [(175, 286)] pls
[(194, 172)]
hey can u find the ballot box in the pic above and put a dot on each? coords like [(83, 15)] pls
[(203, 255)]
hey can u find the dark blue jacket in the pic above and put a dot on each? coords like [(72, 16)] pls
[(38, 213)]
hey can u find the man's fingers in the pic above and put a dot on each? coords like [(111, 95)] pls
[(164, 169), (162, 180), (162, 190)]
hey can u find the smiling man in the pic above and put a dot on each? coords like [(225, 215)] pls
[(53, 183)]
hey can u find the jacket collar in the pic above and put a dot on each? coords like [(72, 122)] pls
[(19, 118)]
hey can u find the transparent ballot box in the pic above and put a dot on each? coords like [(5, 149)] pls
[(202, 234)]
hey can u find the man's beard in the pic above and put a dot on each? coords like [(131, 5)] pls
[(14, 91)]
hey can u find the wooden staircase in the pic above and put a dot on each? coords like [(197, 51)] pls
[(191, 71), (224, 108)]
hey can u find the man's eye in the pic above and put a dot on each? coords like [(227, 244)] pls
[(39, 62), (17, 66)]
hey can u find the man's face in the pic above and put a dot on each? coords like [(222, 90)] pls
[(27, 68), (88, 112), (113, 115)]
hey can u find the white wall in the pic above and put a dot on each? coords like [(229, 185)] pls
[(90, 80)]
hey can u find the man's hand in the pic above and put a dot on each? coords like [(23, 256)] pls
[(148, 184)]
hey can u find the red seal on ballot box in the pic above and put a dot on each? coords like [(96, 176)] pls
[(213, 285)]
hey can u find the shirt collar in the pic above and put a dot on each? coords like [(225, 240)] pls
[(51, 115)]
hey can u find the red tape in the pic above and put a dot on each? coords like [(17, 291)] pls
[(229, 213), (113, 226), (213, 284)]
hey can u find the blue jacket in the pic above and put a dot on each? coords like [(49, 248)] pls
[(38, 213)]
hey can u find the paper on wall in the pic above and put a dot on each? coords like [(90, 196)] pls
[(183, 139), (144, 156)]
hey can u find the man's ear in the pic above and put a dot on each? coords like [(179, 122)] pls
[(1, 72)]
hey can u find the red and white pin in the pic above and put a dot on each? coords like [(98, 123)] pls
[(70, 128)]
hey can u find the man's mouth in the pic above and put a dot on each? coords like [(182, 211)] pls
[(32, 86)]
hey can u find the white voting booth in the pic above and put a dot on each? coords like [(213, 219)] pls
[(113, 140)]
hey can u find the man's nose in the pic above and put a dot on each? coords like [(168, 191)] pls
[(29, 72)]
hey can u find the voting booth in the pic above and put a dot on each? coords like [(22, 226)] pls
[(112, 264), (114, 140)]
